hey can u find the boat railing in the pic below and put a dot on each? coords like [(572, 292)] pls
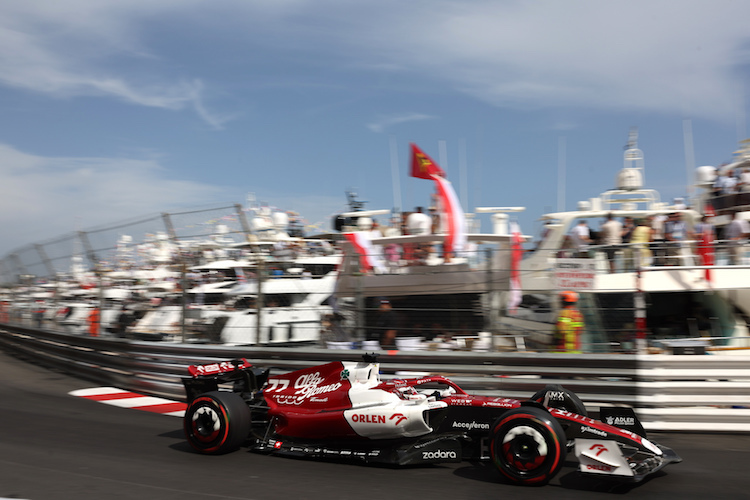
[(628, 257), (727, 204)]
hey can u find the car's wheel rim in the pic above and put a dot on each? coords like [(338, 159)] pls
[(524, 448), (206, 424)]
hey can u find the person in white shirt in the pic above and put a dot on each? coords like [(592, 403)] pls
[(737, 232), (611, 235), (581, 237)]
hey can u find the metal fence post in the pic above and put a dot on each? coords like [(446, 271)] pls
[(489, 316), (243, 220), (259, 300)]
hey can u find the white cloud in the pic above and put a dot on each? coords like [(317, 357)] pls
[(602, 55), (68, 50), (42, 197), (383, 122)]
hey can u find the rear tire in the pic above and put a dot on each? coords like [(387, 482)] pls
[(528, 445), (217, 422)]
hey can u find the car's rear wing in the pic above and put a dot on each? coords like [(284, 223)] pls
[(244, 377)]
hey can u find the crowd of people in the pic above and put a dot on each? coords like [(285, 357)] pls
[(659, 240)]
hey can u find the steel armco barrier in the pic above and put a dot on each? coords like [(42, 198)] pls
[(669, 392)]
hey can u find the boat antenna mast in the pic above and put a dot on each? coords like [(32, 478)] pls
[(355, 205), (633, 157)]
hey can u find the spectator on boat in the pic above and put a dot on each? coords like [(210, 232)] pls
[(569, 326), (737, 233), (659, 243), (628, 226), (392, 256), (419, 222), (675, 233), (610, 234), (581, 237), (705, 234), (724, 183), (333, 329), (394, 228), (642, 235), (386, 323)]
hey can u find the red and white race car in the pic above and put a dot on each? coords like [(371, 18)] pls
[(344, 410)]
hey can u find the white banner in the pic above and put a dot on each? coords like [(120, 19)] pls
[(575, 274)]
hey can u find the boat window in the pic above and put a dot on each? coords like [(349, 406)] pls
[(278, 300)]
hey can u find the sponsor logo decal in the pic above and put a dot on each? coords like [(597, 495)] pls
[(620, 421), (438, 455), (306, 386), (344, 374), (599, 467), (599, 448), (399, 416), (585, 428), (571, 416), (367, 418), (500, 403), (471, 425), (555, 396)]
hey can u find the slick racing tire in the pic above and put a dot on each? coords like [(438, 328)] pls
[(556, 396), (528, 445), (217, 422)]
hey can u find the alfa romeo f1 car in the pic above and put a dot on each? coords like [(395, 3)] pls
[(343, 410)]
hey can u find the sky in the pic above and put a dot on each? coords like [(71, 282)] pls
[(119, 109)]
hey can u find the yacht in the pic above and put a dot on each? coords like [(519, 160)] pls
[(434, 296), (684, 299)]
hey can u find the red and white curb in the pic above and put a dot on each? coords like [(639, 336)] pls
[(126, 399)]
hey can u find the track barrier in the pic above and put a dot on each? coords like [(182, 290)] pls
[(703, 393)]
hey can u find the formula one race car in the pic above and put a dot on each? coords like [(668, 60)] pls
[(343, 410)]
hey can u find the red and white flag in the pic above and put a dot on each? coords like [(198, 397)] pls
[(423, 167), (455, 239), (516, 253), (368, 258)]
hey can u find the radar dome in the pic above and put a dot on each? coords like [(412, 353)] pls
[(629, 179), (280, 220), (261, 224), (364, 223), (705, 175)]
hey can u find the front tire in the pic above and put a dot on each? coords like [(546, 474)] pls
[(217, 422), (528, 445)]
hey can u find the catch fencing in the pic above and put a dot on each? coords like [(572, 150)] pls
[(709, 393), (147, 240)]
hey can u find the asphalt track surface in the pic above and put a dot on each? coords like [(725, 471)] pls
[(57, 446)]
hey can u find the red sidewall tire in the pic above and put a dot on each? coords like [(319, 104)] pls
[(528, 446), (217, 422)]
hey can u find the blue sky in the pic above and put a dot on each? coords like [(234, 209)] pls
[(118, 109)]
